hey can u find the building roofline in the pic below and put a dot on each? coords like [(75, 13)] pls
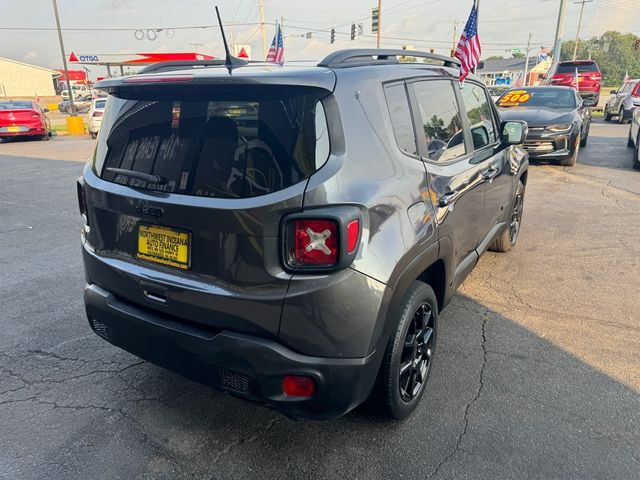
[(52, 72)]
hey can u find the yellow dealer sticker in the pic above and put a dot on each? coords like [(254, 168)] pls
[(514, 97), (164, 245)]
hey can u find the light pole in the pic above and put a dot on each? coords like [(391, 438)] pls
[(575, 47), (64, 59), (557, 43), (264, 33)]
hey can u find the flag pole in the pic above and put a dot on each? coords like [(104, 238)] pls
[(477, 4)]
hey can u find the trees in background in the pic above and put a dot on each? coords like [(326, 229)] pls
[(614, 52)]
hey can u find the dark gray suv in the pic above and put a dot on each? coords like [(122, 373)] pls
[(289, 234)]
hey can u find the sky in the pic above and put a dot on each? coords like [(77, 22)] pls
[(27, 27)]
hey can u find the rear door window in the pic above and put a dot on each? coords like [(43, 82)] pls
[(401, 121), (441, 124), (222, 147)]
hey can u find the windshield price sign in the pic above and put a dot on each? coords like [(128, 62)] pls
[(515, 97)]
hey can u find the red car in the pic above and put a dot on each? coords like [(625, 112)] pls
[(23, 118), (589, 77)]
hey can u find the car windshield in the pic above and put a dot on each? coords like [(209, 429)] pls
[(15, 106), (542, 97)]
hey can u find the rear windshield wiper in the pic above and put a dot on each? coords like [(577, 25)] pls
[(157, 179)]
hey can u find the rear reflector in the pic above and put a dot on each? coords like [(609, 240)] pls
[(297, 386), (82, 200), (97, 114), (353, 231), (315, 242)]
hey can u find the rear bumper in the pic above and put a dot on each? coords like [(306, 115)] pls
[(25, 131), (243, 365)]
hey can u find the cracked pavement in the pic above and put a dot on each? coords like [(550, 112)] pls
[(536, 373)]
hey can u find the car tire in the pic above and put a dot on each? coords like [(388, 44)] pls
[(509, 236), (621, 119), (629, 139), (94, 135), (636, 154), (72, 109), (583, 141), (411, 348), (571, 161), (45, 137), (607, 114)]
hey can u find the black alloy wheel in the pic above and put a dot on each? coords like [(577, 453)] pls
[(409, 355), (516, 217), (416, 353)]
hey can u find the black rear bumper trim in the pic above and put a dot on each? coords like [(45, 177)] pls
[(245, 365)]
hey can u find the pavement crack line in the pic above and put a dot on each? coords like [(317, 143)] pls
[(463, 432)]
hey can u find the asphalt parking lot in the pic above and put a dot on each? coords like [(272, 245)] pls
[(537, 372)]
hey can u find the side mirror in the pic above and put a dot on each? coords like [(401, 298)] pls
[(514, 132), (589, 102), (613, 92)]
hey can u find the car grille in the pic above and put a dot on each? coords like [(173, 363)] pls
[(539, 146), (234, 381)]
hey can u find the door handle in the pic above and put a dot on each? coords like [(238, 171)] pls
[(447, 199), (490, 173)]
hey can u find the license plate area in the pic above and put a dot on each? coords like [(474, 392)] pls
[(164, 245)]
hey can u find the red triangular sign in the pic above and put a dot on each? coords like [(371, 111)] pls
[(243, 53), (73, 58)]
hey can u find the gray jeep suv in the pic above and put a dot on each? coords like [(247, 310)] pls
[(289, 234)]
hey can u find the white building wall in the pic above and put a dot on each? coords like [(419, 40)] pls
[(21, 80)]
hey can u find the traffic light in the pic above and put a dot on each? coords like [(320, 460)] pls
[(333, 35), (374, 20), (353, 31)]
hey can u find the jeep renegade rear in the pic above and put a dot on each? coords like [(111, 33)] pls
[(288, 234)]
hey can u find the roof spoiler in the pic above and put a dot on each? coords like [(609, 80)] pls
[(355, 57)]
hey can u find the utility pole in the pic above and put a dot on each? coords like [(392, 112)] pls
[(575, 47), (526, 62), (454, 44), (557, 42), (264, 33), (379, 23), (64, 59)]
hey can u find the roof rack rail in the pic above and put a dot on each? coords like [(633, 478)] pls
[(355, 57), (181, 64)]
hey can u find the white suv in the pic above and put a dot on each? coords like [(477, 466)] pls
[(622, 102), (95, 115)]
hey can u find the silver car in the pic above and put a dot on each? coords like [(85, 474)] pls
[(634, 137), (622, 102)]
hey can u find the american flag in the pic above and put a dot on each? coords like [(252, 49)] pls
[(468, 50), (276, 50), (519, 80), (575, 82)]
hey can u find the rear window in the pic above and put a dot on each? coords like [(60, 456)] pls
[(16, 106), (570, 67), (227, 146)]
